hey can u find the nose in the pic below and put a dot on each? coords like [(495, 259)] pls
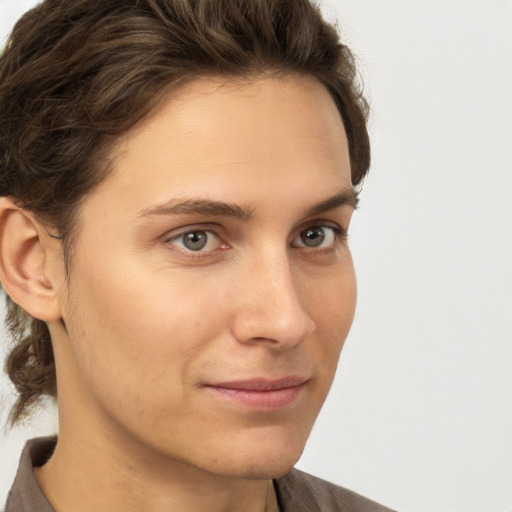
[(270, 305)]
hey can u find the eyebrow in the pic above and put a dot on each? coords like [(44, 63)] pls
[(204, 207), (346, 197), (207, 207)]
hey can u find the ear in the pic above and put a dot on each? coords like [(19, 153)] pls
[(23, 262)]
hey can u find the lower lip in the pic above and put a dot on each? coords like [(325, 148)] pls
[(261, 400)]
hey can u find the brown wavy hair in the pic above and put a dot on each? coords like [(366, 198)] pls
[(77, 73)]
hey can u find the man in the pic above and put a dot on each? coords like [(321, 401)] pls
[(178, 179)]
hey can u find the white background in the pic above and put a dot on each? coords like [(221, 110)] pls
[(420, 416)]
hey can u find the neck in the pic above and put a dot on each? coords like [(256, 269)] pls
[(83, 477), (93, 468)]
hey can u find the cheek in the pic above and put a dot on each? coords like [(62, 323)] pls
[(138, 336), (332, 299), (332, 306)]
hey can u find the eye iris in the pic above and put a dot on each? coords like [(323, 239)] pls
[(195, 240), (313, 237)]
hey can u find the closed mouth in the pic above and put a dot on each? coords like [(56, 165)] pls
[(261, 393)]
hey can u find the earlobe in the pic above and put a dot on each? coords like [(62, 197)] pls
[(23, 258)]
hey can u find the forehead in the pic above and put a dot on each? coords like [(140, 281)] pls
[(240, 120), (219, 137)]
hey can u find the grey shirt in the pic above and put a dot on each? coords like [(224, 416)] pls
[(296, 491)]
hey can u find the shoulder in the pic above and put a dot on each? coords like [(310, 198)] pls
[(25, 494), (300, 492)]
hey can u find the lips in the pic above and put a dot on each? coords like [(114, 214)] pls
[(260, 393)]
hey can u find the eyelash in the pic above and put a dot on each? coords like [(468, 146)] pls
[(340, 237)]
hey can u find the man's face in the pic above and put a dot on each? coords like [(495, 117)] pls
[(212, 287)]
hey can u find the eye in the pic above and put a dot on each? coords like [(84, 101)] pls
[(197, 240), (317, 236)]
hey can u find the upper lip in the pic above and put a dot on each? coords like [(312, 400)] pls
[(262, 384)]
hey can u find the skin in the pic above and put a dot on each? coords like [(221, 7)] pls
[(147, 329)]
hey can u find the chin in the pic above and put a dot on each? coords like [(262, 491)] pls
[(264, 467), (261, 459)]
